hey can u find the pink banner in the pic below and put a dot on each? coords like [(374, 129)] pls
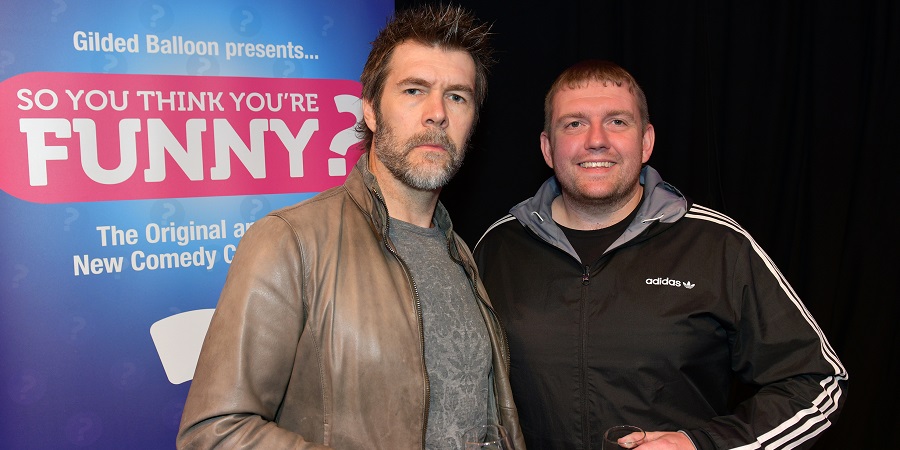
[(78, 137)]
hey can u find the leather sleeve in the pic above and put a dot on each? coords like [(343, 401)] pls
[(247, 356)]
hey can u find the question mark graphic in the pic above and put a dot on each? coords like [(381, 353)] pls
[(248, 18), (170, 211), (8, 59), (329, 23), (126, 375), (29, 383), (113, 62), (86, 424), (290, 68), (27, 387), (21, 273), (257, 205), (160, 13), (205, 64), (79, 325), (73, 216), (84, 429), (337, 167), (130, 369), (59, 10)]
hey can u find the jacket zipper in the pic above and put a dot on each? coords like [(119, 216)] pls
[(586, 280), (585, 422), (418, 304)]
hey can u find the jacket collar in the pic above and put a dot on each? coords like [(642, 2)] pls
[(363, 187), (662, 203)]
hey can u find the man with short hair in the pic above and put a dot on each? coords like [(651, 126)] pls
[(355, 319), (625, 303)]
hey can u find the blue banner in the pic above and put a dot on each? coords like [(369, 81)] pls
[(140, 140)]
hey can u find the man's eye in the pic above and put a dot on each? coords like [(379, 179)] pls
[(619, 122), (574, 124), (456, 98), (412, 91)]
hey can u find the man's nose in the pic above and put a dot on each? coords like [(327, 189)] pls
[(435, 113)]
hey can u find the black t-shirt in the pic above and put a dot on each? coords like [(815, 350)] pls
[(590, 244)]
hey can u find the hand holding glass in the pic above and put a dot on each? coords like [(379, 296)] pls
[(486, 437), (623, 436)]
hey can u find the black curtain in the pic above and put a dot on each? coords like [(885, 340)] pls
[(783, 115)]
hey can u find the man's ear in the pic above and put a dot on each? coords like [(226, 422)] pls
[(546, 149), (369, 115), (647, 143)]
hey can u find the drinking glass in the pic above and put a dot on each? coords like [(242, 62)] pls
[(486, 437), (612, 438)]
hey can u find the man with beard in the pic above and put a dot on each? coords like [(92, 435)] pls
[(625, 303), (355, 319)]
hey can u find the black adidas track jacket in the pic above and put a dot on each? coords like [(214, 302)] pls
[(654, 333)]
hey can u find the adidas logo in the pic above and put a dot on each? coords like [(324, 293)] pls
[(670, 282)]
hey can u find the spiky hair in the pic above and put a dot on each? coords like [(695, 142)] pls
[(442, 26)]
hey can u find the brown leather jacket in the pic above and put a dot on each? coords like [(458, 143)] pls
[(317, 338)]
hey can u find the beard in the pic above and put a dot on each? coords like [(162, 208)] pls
[(599, 205), (434, 171), (583, 193)]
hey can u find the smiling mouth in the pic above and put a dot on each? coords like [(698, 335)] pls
[(593, 164)]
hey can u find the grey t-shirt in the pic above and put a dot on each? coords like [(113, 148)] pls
[(457, 347)]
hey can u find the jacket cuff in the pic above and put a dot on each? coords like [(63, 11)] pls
[(700, 439)]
